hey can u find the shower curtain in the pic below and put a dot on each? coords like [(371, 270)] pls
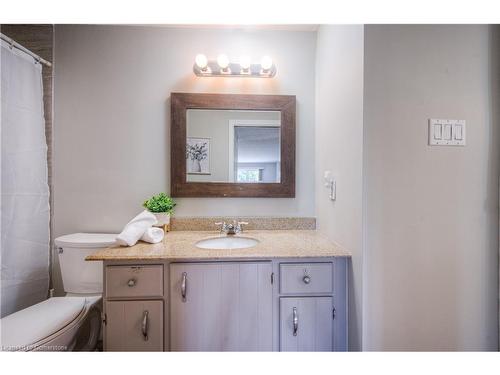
[(24, 188)]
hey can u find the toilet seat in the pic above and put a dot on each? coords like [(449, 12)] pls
[(45, 325), (73, 322)]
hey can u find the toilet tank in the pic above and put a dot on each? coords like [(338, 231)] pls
[(79, 275)]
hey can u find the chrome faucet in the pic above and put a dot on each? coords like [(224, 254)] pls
[(231, 228)]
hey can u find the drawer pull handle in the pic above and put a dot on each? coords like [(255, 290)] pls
[(145, 325), (295, 321), (306, 279), (184, 286), (131, 282)]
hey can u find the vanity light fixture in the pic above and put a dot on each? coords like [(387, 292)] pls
[(223, 62), (245, 65), (223, 67), (266, 63), (201, 62)]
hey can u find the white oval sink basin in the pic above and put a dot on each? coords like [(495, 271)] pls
[(227, 243)]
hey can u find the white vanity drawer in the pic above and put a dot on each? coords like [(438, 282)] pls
[(300, 278), (134, 281)]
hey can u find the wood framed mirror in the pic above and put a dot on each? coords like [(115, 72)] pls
[(229, 145)]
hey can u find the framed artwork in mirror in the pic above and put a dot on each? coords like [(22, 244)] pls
[(198, 155)]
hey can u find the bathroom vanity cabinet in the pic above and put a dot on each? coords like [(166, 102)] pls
[(134, 307), (284, 304), (221, 306), (134, 326)]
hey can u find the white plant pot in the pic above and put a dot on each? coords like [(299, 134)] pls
[(163, 218)]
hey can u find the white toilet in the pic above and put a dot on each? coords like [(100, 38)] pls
[(72, 322)]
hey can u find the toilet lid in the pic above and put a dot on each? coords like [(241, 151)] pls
[(86, 240), (35, 323)]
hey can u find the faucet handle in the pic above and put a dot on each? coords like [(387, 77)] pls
[(240, 223), (222, 225)]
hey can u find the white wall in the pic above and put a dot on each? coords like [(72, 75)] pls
[(425, 266), (431, 219), (112, 117), (339, 147)]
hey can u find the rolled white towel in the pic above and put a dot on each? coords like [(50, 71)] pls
[(135, 228), (153, 235)]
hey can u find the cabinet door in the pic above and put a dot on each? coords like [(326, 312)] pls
[(306, 324), (134, 326), (221, 307)]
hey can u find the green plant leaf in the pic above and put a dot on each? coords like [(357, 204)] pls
[(160, 203)]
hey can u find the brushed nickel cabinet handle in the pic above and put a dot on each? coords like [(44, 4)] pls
[(145, 325), (295, 321), (184, 286), (306, 279), (131, 282)]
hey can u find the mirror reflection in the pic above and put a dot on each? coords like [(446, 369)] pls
[(238, 146)]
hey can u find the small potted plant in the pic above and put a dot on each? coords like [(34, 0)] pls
[(162, 206)]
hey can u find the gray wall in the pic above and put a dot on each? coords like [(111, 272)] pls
[(425, 248), (431, 219), (339, 147), (112, 117), (112, 110)]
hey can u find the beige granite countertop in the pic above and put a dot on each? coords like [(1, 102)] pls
[(272, 244)]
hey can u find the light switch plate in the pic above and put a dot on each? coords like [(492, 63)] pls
[(446, 132)]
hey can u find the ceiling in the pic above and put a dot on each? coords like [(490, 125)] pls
[(282, 27)]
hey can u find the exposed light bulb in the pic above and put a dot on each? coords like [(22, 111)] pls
[(266, 63), (201, 61), (245, 62), (223, 61)]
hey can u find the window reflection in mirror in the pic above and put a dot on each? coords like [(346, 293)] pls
[(257, 153), (233, 146)]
